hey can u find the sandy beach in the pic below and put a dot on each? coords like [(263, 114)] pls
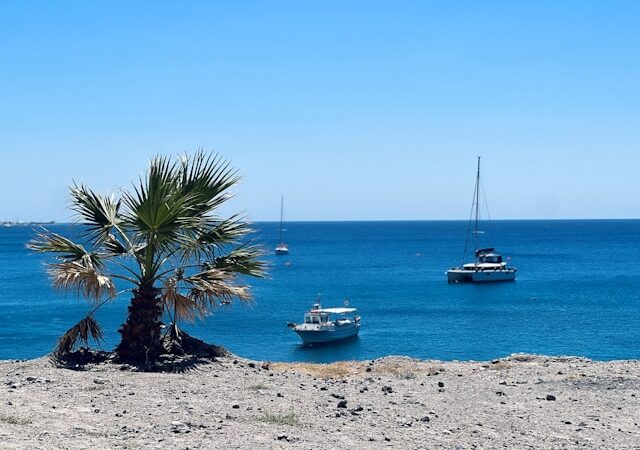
[(522, 401)]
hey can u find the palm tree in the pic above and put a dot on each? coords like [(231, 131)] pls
[(165, 241)]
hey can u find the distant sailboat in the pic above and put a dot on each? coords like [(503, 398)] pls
[(488, 266), (281, 248)]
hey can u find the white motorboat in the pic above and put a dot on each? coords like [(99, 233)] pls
[(322, 325), (489, 266)]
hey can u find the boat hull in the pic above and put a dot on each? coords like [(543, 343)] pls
[(325, 336), (480, 276), (282, 251)]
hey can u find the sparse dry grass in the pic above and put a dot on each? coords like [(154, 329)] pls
[(403, 369), (335, 370), (99, 434), (500, 365), (406, 369), (14, 420), (291, 418), (573, 378), (397, 370), (95, 387)]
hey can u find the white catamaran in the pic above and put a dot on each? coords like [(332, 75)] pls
[(281, 248), (488, 266)]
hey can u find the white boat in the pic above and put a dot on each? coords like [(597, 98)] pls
[(281, 248), (322, 325), (489, 265)]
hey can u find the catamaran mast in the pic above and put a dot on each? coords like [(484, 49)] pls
[(281, 215), (477, 201)]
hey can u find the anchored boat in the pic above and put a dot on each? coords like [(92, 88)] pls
[(489, 265), (322, 325), (281, 248)]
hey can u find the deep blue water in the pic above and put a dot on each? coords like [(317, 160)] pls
[(577, 293)]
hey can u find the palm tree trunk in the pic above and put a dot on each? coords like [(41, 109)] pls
[(141, 332)]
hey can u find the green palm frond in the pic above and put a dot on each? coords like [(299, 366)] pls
[(99, 214), (242, 260), (157, 209), (162, 173), (207, 178), (114, 247), (203, 243), (83, 277), (87, 328), (64, 248)]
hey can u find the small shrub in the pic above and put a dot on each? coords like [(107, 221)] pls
[(290, 418)]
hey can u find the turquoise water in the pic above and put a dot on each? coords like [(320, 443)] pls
[(578, 293)]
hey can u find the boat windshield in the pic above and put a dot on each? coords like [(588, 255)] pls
[(316, 318), (490, 258)]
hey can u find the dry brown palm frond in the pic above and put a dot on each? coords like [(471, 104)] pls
[(83, 277), (87, 328), (211, 294), (213, 274), (181, 306)]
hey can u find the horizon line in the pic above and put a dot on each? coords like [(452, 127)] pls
[(560, 219)]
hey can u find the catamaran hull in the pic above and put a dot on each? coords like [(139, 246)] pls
[(480, 276), (324, 336)]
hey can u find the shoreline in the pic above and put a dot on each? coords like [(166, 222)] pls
[(523, 401)]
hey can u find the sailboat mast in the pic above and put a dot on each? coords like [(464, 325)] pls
[(281, 215), (477, 200)]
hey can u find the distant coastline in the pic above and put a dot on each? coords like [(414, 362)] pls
[(18, 223)]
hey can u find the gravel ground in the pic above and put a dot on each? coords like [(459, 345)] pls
[(522, 401)]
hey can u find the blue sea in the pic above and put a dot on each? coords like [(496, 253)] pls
[(577, 293)]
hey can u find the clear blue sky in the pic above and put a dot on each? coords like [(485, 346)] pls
[(353, 110)]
